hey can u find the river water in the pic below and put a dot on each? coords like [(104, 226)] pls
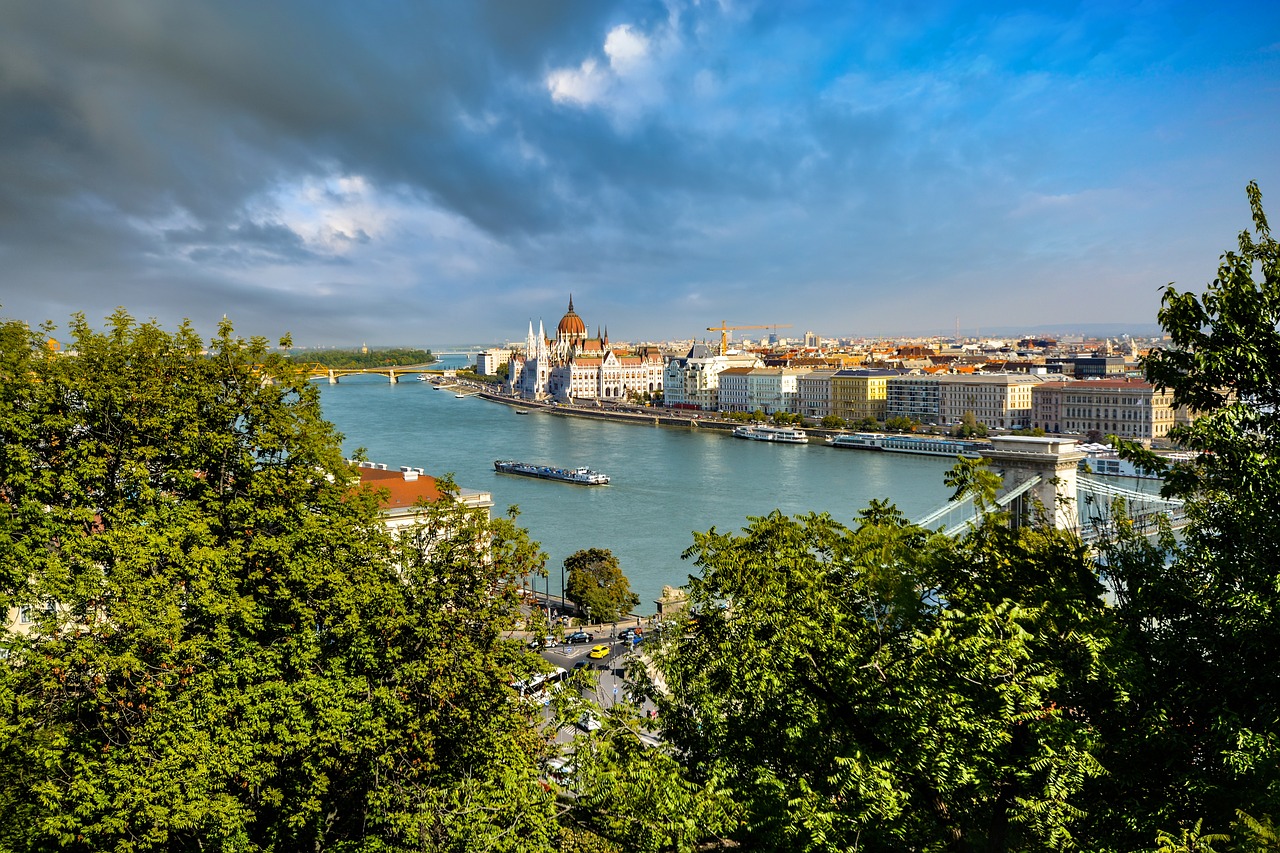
[(666, 482)]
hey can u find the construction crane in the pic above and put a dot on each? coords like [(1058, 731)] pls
[(724, 331)]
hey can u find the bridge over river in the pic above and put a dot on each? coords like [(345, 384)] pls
[(315, 370), (1043, 474)]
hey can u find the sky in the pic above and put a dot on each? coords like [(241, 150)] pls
[(438, 173)]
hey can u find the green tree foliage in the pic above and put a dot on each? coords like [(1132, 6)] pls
[(596, 580), (901, 423), (337, 359), (885, 688), (969, 427), (228, 650), (834, 422), (1202, 614)]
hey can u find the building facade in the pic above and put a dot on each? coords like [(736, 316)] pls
[(860, 394), (694, 380), (813, 392), (1128, 408), (1000, 400), (916, 396), (574, 367)]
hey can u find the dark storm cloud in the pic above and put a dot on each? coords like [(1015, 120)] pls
[(335, 168)]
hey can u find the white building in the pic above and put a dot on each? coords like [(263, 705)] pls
[(734, 392), (813, 391), (574, 367), (773, 389), (694, 380), (487, 362)]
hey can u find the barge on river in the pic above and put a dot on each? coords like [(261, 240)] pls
[(918, 444), (582, 476)]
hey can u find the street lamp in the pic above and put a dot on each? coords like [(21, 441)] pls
[(588, 609)]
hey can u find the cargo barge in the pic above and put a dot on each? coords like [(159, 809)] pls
[(581, 476)]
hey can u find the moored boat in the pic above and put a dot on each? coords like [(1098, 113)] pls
[(922, 445), (582, 476), (763, 432)]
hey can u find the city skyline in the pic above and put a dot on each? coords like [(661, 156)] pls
[(415, 174)]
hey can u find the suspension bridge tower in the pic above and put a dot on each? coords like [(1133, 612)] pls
[(1037, 470)]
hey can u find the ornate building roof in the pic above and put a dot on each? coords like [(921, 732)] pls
[(571, 325)]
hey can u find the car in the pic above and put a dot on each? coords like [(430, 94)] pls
[(588, 722), (545, 643), (598, 652), (580, 637)]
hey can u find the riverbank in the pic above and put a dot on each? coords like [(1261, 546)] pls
[(656, 417)]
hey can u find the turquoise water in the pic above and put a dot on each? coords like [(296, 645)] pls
[(666, 482)]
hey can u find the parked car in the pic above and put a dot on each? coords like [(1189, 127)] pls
[(598, 652), (588, 722), (580, 637)]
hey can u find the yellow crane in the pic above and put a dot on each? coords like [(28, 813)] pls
[(724, 331)]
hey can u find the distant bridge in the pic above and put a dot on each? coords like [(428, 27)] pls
[(315, 370)]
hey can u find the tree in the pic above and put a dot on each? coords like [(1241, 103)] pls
[(596, 581), (888, 688), (833, 422), (226, 648), (900, 423), (969, 427), (1201, 614), (867, 423)]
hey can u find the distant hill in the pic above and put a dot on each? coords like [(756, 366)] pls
[(1057, 330)]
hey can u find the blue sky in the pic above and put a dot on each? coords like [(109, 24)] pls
[(434, 173)]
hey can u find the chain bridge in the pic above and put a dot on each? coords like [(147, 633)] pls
[(1044, 473)]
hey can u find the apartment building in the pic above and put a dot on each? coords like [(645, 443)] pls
[(694, 379), (1129, 408), (858, 394), (999, 400), (813, 392), (733, 393), (915, 396), (774, 389)]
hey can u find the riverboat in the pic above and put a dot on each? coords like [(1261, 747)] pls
[(762, 432), (917, 444), (582, 476)]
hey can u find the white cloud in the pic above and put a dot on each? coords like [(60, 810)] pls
[(333, 214), (629, 82), (585, 85), (628, 50)]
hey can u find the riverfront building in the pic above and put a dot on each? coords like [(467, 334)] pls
[(813, 392), (1001, 400), (694, 380), (774, 389), (859, 394), (1129, 408), (916, 396), (735, 391)]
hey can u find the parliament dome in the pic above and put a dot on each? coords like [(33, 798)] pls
[(571, 325)]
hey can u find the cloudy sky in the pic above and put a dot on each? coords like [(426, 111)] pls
[(441, 172)]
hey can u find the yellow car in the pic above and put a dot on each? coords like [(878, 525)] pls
[(600, 651)]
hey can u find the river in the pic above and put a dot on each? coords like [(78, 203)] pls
[(666, 482)]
